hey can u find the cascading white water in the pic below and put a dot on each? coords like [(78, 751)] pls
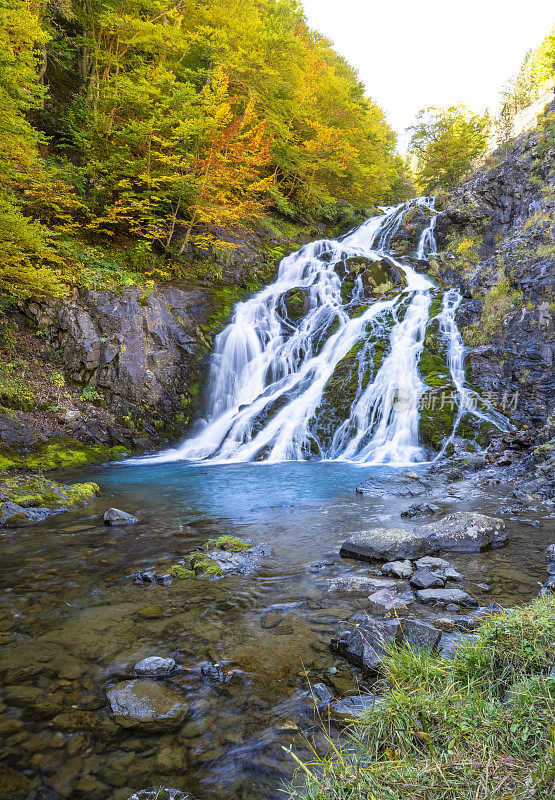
[(271, 372)]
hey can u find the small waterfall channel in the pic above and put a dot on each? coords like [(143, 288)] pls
[(337, 358)]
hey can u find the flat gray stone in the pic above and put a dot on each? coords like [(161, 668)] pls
[(464, 532), (385, 602), (359, 584), (445, 597), (147, 704), (384, 544), (155, 665), (426, 579), (118, 518), (432, 562), (399, 569)]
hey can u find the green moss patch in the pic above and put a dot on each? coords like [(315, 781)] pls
[(37, 496), (61, 452)]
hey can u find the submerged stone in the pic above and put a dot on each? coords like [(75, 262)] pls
[(147, 704)]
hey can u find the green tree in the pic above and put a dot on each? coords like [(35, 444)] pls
[(446, 144)]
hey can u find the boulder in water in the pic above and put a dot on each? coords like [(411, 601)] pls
[(355, 706), (384, 544), (464, 532), (117, 517)]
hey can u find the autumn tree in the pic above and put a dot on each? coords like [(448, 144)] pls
[(446, 143)]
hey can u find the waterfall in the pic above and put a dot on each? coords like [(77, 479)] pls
[(324, 362)]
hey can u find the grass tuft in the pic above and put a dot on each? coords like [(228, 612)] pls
[(478, 727)]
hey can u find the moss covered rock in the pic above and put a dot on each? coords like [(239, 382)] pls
[(25, 499)]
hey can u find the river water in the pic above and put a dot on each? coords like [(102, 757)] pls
[(72, 622)]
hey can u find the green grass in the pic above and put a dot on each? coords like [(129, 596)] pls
[(479, 727)]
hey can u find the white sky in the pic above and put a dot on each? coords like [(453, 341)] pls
[(415, 53)]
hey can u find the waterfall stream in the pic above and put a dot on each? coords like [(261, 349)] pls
[(326, 361)]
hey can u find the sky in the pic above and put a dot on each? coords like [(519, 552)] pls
[(416, 53)]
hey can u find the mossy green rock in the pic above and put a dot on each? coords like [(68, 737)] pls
[(25, 499)]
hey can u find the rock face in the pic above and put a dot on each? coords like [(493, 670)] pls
[(138, 345), (384, 544), (464, 532), (148, 705), (506, 208)]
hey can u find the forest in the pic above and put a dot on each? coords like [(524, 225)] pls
[(135, 135)]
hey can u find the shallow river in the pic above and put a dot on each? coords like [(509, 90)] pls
[(72, 622)]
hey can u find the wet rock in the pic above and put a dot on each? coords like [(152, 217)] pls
[(155, 665), (12, 515), (445, 597), (420, 510), (146, 704), (385, 602), (90, 788), (432, 562), (322, 694), (150, 612), (172, 759), (550, 553), (418, 635), (465, 532), (118, 518), (220, 671), (398, 569), (384, 544), (359, 584), (14, 785), (22, 696), (366, 645), (450, 643), (76, 720), (151, 576), (243, 562), (355, 707), (426, 579)]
